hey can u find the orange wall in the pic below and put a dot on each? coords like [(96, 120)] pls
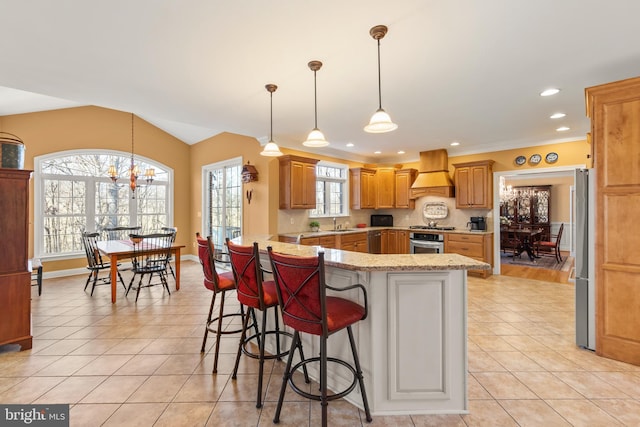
[(101, 128)]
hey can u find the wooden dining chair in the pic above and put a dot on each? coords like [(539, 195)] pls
[(150, 256), (121, 233), (553, 246), (95, 264)]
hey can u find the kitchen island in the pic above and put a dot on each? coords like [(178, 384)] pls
[(413, 344)]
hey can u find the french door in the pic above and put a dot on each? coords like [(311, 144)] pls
[(222, 216)]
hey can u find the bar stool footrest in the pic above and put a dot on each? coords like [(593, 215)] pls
[(334, 396), (213, 321), (266, 356)]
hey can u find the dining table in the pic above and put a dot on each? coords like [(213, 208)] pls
[(118, 250), (526, 236)]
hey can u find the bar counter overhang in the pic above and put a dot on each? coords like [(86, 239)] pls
[(413, 344)]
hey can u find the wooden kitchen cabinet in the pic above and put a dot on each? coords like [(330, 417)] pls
[(385, 188), (476, 246), (362, 188), (356, 242), (474, 185), (297, 182), (15, 279), (395, 242), (404, 178)]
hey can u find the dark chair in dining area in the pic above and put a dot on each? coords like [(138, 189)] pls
[(95, 264), (120, 233), (173, 230), (306, 308), (553, 246), (218, 284), (150, 255), (509, 241), (256, 294)]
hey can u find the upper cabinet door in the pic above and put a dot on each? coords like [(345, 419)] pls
[(474, 184), (297, 182)]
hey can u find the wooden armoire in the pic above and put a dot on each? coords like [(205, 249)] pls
[(614, 110), (15, 279)]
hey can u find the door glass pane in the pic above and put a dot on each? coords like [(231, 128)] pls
[(225, 203)]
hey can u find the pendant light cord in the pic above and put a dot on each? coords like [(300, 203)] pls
[(379, 80), (315, 99), (271, 116), (132, 163)]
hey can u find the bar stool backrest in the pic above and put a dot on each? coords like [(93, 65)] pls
[(206, 254), (245, 263), (301, 287)]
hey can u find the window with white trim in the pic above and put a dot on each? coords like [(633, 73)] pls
[(332, 190), (73, 193)]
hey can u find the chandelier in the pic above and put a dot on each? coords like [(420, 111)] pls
[(134, 170), (507, 193)]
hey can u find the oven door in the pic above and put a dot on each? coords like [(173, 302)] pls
[(426, 247)]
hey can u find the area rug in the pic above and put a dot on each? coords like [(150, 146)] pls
[(548, 262)]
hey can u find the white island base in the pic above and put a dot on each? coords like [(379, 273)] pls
[(413, 344)]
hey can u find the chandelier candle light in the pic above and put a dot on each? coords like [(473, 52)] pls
[(271, 149), (315, 138), (134, 171), (380, 121)]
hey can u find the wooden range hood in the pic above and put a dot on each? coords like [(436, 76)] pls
[(433, 178)]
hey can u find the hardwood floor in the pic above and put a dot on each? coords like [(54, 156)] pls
[(537, 273)]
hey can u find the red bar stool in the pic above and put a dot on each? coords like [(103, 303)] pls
[(218, 284), (305, 306), (256, 294)]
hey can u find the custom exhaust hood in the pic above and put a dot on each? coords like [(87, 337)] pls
[(433, 177)]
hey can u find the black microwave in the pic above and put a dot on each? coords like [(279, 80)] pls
[(381, 220)]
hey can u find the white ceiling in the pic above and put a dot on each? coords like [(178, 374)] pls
[(463, 70)]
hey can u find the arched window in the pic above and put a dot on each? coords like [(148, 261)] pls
[(74, 193)]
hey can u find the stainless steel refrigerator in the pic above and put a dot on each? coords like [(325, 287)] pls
[(585, 258)]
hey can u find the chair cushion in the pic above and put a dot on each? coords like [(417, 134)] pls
[(548, 244), (340, 314), (269, 293), (226, 282)]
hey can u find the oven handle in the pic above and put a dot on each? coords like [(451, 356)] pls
[(425, 243)]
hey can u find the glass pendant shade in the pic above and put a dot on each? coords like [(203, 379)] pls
[(380, 123), (315, 139), (271, 150)]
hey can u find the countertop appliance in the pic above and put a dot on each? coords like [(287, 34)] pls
[(477, 223), (426, 243), (585, 258), (382, 220)]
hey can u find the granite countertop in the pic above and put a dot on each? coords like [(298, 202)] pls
[(366, 229), (370, 262)]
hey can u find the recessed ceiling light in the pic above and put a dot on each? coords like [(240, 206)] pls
[(400, 152), (549, 92), (557, 115), (377, 152), (562, 128), (454, 143), (350, 144)]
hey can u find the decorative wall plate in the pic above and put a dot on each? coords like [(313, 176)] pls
[(551, 157), (521, 160), (535, 159)]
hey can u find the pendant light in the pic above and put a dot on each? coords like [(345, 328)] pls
[(315, 138), (380, 121), (271, 149)]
